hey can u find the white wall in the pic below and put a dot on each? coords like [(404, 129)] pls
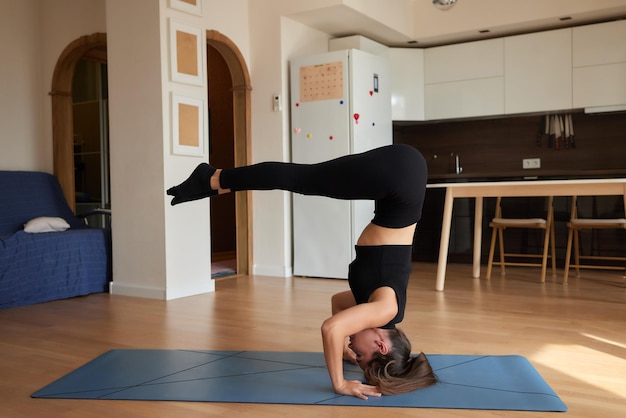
[(21, 127), (230, 19), (399, 17), (273, 40), (62, 22), (160, 251), (33, 34), (136, 137), (187, 233), (187, 227)]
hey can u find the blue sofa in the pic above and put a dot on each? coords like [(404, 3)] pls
[(40, 267)]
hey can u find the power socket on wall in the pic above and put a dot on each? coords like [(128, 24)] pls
[(528, 163)]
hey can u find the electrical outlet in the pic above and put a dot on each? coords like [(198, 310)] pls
[(528, 163)]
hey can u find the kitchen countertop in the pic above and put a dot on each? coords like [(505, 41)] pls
[(525, 175)]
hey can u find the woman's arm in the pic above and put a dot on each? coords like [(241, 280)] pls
[(379, 311), (340, 302)]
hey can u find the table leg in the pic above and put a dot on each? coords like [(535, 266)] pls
[(625, 199), (478, 235), (445, 241)]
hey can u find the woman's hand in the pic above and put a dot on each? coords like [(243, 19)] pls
[(358, 389)]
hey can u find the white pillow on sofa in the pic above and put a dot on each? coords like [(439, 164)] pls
[(46, 224)]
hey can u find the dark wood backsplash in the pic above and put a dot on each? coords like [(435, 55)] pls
[(496, 147)]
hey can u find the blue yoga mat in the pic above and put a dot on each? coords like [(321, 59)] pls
[(466, 382)]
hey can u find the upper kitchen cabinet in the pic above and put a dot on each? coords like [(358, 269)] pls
[(464, 80), (467, 61), (538, 72), (599, 61), (407, 83)]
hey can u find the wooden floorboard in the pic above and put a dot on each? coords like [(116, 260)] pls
[(574, 335)]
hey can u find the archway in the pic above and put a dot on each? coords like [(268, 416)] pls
[(93, 46), (242, 136)]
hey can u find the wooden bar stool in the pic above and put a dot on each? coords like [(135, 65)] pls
[(575, 225), (499, 223)]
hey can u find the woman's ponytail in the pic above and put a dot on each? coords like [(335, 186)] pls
[(399, 371)]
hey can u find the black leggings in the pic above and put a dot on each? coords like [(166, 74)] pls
[(393, 176)]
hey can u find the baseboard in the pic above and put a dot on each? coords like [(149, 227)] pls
[(189, 289), (125, 289), (272, 270)]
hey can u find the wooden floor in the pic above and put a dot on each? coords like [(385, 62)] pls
[(574, 335)]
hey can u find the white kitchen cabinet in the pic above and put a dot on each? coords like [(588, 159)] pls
[(464, 80), (598, 44), (599, 61), (467, 61), (581, 67), (464, 99), (407, 83), (538, 72), (600, 85)]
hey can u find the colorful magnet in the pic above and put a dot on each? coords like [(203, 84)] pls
[(297, 130), (309, 136), (371, 93), (340, 102), (356, 118), (331, 137)]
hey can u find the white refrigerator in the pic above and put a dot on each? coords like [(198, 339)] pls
[(340, 104)]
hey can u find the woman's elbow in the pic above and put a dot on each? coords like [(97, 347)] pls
[(326, 327), (329, 328)]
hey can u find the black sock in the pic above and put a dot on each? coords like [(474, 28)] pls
[(197, 186)]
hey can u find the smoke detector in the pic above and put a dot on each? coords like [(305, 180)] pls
[(444, 4)]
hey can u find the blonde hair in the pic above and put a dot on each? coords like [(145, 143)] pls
[(398, 371)]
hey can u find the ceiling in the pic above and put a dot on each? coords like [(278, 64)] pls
[(464, 22)]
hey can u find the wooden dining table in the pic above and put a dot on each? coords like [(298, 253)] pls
[(523, 188)]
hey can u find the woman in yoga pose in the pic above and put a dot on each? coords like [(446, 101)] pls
[(362, 328)]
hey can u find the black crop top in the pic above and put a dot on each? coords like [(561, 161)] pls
[(379, 266)]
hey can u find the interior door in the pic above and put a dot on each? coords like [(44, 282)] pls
[(222, 155), (91, 139)]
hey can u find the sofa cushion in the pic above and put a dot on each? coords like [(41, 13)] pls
[(46, 224)]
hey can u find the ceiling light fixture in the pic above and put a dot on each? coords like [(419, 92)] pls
[(444, 4)]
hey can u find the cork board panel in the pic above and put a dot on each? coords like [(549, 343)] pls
[(186, 53), (188, 125)]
